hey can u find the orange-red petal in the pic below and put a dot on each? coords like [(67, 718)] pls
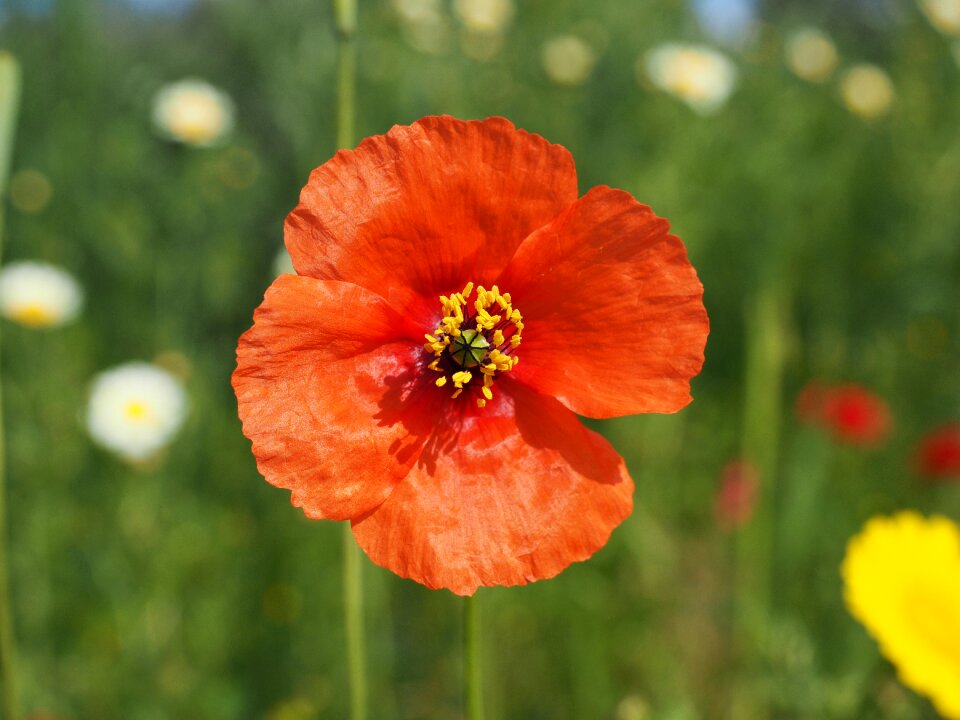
[(503, 497), (417, 212), (613, 309), (317, 383)]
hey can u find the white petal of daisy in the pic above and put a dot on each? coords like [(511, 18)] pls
[(193, 112), (867, 91), (567, 59), (135, 409), (699, 76), (811, 55), (38, 295)]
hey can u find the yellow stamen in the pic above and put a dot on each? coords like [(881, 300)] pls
[(462, 311), (461, 378)]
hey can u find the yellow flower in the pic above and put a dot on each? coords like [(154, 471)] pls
[(567, 59), (902, 581), (811, 55), (867, 91)]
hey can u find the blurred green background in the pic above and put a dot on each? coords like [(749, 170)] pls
[(186, 587)]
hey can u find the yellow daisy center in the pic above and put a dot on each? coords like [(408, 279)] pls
[(34, 315), (136, 411), (476, 341)]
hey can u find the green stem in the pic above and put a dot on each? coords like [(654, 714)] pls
[(346, 93), (353, 619), (765, 323), (9, 102), (472, 658), (345, 15)]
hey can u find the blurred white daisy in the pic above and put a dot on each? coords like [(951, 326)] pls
[(700, 76), (811, 55), (135, 409), (486, 16), (38, 295), (944, 15), (567, 59), (193, 112), (867, 91)]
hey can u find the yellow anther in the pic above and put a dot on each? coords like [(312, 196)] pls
[(456, 393), (435, 365), (497, 338), (489, 370), (467, 289), (487, 392), (441, 381), (487, 380), (515, 316), (430, 338), (514, 340), (461, 378), (481, 402), (515, 361)]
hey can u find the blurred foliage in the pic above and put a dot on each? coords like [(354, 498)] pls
[(189, 588)]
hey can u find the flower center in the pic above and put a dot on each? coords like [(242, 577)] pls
[(34, 315), (476, 340), (136, 411)]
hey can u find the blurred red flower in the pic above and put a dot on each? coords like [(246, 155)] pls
[(855, 415), (938, 453), (376, 402), (851, 413), (736, 498)]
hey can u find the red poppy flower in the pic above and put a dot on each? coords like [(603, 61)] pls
[(736, 497), (938, 454), (855, 415), (455, 305)]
